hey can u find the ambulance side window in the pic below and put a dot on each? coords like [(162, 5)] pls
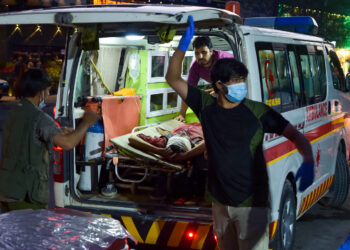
[(306, 73), (276, 77), (295, 76), (321, 88), (313, 73), (337, 71), (284, 92), (268, 77)]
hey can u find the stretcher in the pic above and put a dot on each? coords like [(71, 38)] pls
[(145, 164), (125, 147)]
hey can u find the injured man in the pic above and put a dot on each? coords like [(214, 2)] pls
[(179, 145), (182, 144)]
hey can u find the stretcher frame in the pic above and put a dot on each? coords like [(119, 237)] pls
[(149, 159), (146, 161)]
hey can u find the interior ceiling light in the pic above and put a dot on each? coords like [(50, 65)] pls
[(134, 37)]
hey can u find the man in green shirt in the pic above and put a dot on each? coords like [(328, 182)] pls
[(28, 133)]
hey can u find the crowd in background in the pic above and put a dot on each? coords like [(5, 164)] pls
[(23, 62)]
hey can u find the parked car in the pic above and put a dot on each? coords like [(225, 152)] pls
[(4, 88)]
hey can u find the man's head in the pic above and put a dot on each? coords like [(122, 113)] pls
[(32, 82), (203, 50), (227, 71)]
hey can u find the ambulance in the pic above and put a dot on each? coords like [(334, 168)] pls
[(116, 61)]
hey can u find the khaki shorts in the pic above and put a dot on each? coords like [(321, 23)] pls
[(241, 228)]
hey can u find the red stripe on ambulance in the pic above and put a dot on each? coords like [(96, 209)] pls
[(287, 146)]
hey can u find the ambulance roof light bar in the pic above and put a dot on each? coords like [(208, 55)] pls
[(298, 24)]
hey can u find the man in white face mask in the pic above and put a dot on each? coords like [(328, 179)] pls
[(43, 95), (233, 128), (28, 133)]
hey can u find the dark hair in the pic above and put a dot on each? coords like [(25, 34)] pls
[(202, 41), (33, 81), (226, 68)]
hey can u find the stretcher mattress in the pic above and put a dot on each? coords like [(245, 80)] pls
[(124, 146)]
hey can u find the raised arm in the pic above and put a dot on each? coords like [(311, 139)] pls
[(173, 75)]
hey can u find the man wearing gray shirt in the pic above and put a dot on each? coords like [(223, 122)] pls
[(28, 133)]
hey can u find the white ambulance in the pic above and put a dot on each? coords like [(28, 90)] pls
[(123, 48)]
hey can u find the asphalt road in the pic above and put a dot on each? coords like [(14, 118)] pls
[(320, 228), (323, 228)]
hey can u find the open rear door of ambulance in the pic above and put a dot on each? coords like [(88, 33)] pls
[(109, 19)]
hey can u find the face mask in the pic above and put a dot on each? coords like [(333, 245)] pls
[(236, 92), (42, 104)]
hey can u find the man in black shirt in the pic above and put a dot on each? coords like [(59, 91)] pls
[(234, 128)]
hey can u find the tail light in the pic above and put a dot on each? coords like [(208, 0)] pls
[(58, 170), (190, 235)]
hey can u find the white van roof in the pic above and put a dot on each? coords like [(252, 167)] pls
[(278, 33), (169, 14)]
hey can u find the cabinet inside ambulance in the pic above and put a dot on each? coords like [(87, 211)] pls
[(124, 80)]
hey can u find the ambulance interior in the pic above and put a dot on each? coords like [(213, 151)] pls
[(125, 80)]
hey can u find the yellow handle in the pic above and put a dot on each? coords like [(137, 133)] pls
[(99, 74)]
